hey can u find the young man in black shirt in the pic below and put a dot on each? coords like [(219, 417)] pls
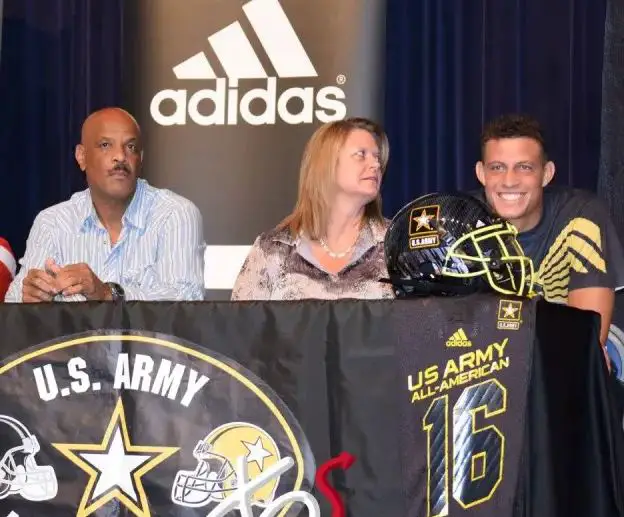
[(567, 232)]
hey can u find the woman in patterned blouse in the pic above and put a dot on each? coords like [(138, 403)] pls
[(331, 245)]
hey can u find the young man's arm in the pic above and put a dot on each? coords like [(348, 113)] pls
[(597, 299), (597, 260)]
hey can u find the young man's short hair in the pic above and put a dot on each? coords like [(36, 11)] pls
[(514, 126)]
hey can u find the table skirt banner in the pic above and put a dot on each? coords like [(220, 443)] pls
[(470, 406)]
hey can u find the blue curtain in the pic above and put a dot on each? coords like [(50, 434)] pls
[(611, 179), (61, 59), (453, 64)]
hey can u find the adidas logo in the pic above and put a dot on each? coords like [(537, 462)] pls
[(239, 61), (459, 338)]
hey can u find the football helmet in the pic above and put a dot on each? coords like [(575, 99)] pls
[(450, 244), (214, 478), (19, 472)]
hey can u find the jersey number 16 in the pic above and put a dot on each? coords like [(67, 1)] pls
[(477, 452)]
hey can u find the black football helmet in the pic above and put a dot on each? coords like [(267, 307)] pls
[(450, 244)]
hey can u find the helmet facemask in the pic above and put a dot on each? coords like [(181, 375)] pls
[(494, 253)]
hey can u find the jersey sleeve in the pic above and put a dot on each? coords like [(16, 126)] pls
[(594, 249)]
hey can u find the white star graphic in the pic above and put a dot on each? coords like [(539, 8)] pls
[(257, 452), (116, 467), (510, 311), (423, 220)]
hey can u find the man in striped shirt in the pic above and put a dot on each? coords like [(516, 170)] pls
[(119, 239)]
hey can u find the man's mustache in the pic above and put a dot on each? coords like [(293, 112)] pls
[(122, 166)]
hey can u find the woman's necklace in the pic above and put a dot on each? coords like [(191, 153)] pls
[(333, 254)]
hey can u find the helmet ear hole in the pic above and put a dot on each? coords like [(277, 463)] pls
[(496, 263), (429, 268)]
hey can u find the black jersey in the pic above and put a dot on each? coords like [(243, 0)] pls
[(463, 413)]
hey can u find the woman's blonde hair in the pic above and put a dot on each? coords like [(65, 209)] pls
[(317, 176)]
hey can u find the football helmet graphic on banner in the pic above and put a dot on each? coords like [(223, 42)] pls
[(214, 477), (19, 472), (449, 244)]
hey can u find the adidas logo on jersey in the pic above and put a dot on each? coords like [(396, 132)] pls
[(239, 61), (459, 338)]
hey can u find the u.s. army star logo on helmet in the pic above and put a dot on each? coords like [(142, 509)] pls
[(422, 230)]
